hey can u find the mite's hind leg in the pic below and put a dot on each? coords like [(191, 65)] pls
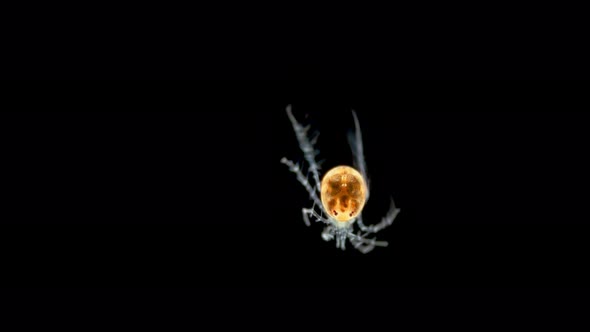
[(385, 221), (365, 245)]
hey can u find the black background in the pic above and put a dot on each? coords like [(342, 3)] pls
[(161, 186), (402, 40), (175, 184)]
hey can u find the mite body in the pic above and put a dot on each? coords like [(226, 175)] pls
[(343, 193)]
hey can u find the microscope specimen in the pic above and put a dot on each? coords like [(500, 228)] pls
[(339, 198)]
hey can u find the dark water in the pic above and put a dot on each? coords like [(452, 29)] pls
[(180, 185)]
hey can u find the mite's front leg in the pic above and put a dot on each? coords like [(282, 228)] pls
[(311, 212), (355, 140), (307, 147), (302, 179), (328, 233)]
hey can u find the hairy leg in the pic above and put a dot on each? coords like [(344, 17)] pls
[(307, 146), (385, 221), (328, 233), (303, 180), (311, 212), (363, 244), (355, 140)]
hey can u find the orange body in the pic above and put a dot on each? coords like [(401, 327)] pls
[(343, 193)]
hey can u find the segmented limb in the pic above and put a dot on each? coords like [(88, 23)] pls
[(328, 233), (311, 212), (309, 153), (385, 221), (363, 244), (341, 236), (303, 180), (355, 140)]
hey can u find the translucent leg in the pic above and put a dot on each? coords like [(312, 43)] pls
[(365, 245), (311, 212), (355, 140), (309, 152), (303, 180), (385, 221)]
